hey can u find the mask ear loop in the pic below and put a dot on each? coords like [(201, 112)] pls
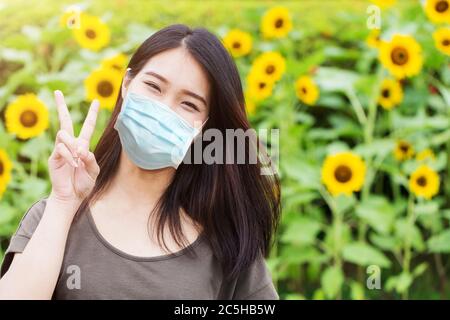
[(201, 127)]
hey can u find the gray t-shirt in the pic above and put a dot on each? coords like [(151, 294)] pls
[(93, 269)]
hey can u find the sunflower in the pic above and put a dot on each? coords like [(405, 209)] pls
[(424, 182), (343, 172), (5, 171), (270, 63), (442, 40), (373, 39), (425, 154), (92, 33), (391, 94), (70, 18), (276, 23), (438, 11), (27, 116), (402, 56), (384, 4), (118, 62), (103, 84), (238, 42), (250, 104), (403, 150), (306, 90), (259, 85)]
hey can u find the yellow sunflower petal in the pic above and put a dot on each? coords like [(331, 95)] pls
[(276, 23), (238, 42), (391, 94), (307, 90), (118, 62), (93, 33), (442, 40), (402, 56), (424, 182), (5, 171), (343, 173), (438, 11), (259, 85), (403, 150), (384, 4), (271, 63), (27, 116), (103, 84)]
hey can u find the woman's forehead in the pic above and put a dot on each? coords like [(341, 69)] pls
[(180, 70)]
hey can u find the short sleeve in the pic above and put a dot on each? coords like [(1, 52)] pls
[(20, 238), (255, 283)]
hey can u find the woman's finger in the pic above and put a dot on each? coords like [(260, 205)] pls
[(63, 113), (62, 152), (90, 163), (68, 140), (89, 122)]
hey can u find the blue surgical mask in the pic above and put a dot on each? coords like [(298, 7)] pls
[(152, 134)]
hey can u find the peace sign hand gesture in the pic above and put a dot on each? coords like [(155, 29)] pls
[(72, 167)]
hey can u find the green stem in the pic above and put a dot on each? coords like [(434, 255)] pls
[(357, 107), (407, 246), (337, 232)]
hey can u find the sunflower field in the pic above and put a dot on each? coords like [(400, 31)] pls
[(362, 108)]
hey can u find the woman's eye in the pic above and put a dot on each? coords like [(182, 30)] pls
[(153, 85), (191, 105)]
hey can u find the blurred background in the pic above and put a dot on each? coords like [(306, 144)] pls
[(360, 91)]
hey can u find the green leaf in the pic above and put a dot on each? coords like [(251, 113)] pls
[(404, 281), (420, 269), (301, 231), (332, 280), (440, 242), (36, 147), (377, 212), (403, 229), (363, 254), (385, 242), (356, 291)]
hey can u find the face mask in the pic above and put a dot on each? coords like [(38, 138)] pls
[(152, 134)]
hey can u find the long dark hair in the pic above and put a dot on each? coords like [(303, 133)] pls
[(237, 206)]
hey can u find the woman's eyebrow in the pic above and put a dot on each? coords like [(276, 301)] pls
[(185, 91), (160, 77), (194, 95)]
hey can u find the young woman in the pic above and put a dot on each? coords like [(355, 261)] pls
[(134, 221)]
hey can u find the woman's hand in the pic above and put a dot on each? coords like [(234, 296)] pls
[(72, 167)]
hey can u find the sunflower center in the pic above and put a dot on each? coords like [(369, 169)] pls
[(385, 93), (104, 88), (28, 118), (278, 23), (422, 181), (1, 168), (262, 85), (441, 6), (343, 174), (270, 69), (72, 22), (304, 90), (399, 56), (446, 42), (404, 148), (90, 34), (236, 45)]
